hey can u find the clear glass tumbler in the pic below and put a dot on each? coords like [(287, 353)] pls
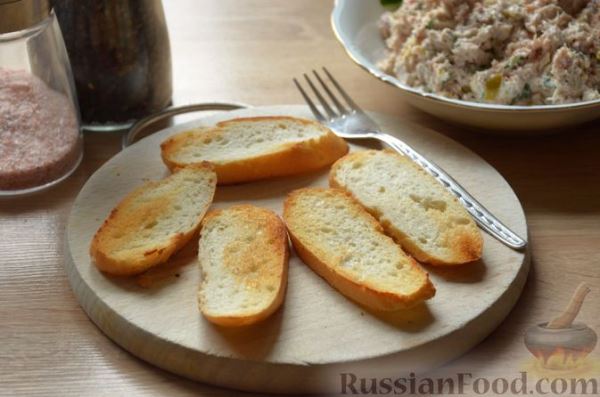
[(40, 134)]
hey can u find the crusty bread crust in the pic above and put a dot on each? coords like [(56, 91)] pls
[(371, 296), (466, 243), (276, 243), (289, 158), (125, 217)]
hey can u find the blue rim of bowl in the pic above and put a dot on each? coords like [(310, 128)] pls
[(335, 17)]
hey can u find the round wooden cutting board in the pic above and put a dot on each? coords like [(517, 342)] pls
[(318, 335)]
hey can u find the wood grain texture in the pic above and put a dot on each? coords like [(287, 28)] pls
[(308, 338), (225, 51)]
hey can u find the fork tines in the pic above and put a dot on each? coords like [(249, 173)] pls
[(331, 113)]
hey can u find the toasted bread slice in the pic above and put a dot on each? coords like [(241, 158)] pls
[(248, 149), (346, 246), (154, 221), (413, 207), (243, 254)]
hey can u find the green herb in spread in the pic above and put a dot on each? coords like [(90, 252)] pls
[(524, 95), (515, 62), (393, 4)]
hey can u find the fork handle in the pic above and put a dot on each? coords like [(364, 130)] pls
[(482, 216)]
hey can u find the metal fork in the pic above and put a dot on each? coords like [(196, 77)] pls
[(351, 122)]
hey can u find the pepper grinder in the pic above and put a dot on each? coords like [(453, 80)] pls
[(121, 59)]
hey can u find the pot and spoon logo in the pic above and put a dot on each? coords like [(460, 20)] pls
[(562, 345)]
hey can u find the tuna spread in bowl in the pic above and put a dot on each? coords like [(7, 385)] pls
[(508, 52)]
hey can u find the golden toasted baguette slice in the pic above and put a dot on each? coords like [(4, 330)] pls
[(413, 207), (154, 221), (248, 149), (346, 246), (243, 254)]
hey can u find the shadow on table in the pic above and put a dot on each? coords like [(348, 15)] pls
[(559, 172)]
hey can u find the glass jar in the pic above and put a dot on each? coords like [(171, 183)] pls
[(121, 59), (40, 135)]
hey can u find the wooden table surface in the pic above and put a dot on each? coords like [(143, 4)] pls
[(248, 51)]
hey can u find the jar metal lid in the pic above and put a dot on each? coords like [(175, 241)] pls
[(18, 15)]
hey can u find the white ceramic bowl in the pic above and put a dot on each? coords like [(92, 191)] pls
[(355, 25)]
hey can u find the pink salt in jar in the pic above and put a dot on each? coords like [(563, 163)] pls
[(40, 134)]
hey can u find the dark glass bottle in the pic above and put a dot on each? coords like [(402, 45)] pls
[(120, 55)]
